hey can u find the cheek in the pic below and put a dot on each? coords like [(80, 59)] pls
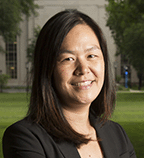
[(61, 74), (102, 72), (99, 69), (64, 73)]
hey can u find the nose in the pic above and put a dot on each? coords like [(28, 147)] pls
[(82, 68)]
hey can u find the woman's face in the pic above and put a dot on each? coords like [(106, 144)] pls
[(79, 71)]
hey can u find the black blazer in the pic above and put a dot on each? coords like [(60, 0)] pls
[(30, 140)]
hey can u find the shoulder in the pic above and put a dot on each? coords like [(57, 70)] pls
[(110, 129), (26, 137), (114, 134), (23, 128), (26, 129), (23, 124), (111, 125), (116, 130)]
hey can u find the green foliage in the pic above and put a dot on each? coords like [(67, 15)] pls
[(133, 44), (3, 80), (28, 7), (118, 78), (125, 20), (121, 15), (11, 14)]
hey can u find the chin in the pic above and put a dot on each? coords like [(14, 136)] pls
[(85, 100)]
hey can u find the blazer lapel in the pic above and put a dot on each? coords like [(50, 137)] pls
[(68, 150), (107, 142)]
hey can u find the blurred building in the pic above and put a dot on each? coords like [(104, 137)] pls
[(14, 62)]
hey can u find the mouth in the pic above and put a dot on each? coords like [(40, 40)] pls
[(83, 83)]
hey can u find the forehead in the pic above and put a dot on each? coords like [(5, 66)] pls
[(81, 36)]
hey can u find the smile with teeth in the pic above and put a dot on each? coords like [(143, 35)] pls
[(80, 84)]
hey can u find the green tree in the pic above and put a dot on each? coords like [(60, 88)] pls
[(11, 15), (133, 40), (3, 81), (125, 20)]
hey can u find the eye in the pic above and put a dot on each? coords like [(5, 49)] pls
[(68, 59), (91, 56)]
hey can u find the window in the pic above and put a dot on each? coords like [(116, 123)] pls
[(11, 59)]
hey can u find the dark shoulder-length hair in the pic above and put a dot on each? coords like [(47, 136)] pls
[(44, 106)]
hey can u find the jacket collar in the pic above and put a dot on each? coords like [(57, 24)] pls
[(107, 142), (68, 150)]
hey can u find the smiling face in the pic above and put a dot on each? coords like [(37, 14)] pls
[(79, 70)]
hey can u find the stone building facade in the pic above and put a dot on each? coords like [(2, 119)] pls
[(15, 61)]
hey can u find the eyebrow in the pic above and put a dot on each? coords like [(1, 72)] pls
[(73, 52), (92, 48), (66, 51)]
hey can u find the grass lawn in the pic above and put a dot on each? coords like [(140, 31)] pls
[(129, 113), (13, 107)]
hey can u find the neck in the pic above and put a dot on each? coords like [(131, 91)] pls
[(78, 119)]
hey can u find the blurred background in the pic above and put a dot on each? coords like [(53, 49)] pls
[(122, 22)]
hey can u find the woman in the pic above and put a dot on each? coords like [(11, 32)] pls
[(72, 96)]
